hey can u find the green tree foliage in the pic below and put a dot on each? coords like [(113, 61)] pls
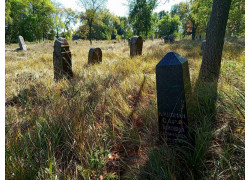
[(89, 16), (141, 16), (236, 20), (31, 19), (168, 25)]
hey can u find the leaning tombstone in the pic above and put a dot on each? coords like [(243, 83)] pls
[(136, 43), (95, 56), (203, 44), (21, 43), (173, 95), (171, 38), (165, 39), (62, 59)]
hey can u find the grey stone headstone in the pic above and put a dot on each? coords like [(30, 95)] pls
[(62, 59), (21, 43), (173, 89), (203, 44), (95, 56), (171, 38), (136, 44)]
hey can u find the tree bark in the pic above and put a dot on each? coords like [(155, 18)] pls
[(90, 31), (211, 61), (193, 32)]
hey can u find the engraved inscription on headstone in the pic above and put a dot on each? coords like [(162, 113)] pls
[(173, 89), (203, 44), (136, 43), (95, 56), (62, 59), (21, 43)]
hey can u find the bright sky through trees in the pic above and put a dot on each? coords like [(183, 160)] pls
[(119, 7)]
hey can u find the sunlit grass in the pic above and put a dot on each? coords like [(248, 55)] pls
[(103, 123)]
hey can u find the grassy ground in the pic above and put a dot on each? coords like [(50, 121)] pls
[(103, 123)]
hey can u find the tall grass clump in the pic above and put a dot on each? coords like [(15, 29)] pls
[(103, 123)]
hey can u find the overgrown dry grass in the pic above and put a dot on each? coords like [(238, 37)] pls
[(103, 123)]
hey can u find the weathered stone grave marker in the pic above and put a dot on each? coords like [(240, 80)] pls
[(135, 44), (203, 44), (62, 59), (173, 90), (152, 37), (21, 43), (95, 56)]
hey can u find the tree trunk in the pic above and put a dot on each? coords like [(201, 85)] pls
[(211, 61), (193, 32), (90, 32)]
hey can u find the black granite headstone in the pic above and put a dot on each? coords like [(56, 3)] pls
[(95, 56), (135, 44), (173, 89), (62, 59)]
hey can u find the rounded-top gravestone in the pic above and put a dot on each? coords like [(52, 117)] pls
[(62, 59), (173, 94), (95, 56), (136, 44), (21, 43)]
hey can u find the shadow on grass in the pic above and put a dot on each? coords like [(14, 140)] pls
[(187, 161)]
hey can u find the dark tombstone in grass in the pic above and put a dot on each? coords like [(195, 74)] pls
[(171, 38), (173, 94), (22, 45), (136, 44), (152, 37), (203, 44), (62, 60), (166, 38), (95, 56)]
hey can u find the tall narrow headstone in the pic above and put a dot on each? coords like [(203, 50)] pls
[(62, 59), (136, 43), (95, 56), (21, 43), (173, 91)]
